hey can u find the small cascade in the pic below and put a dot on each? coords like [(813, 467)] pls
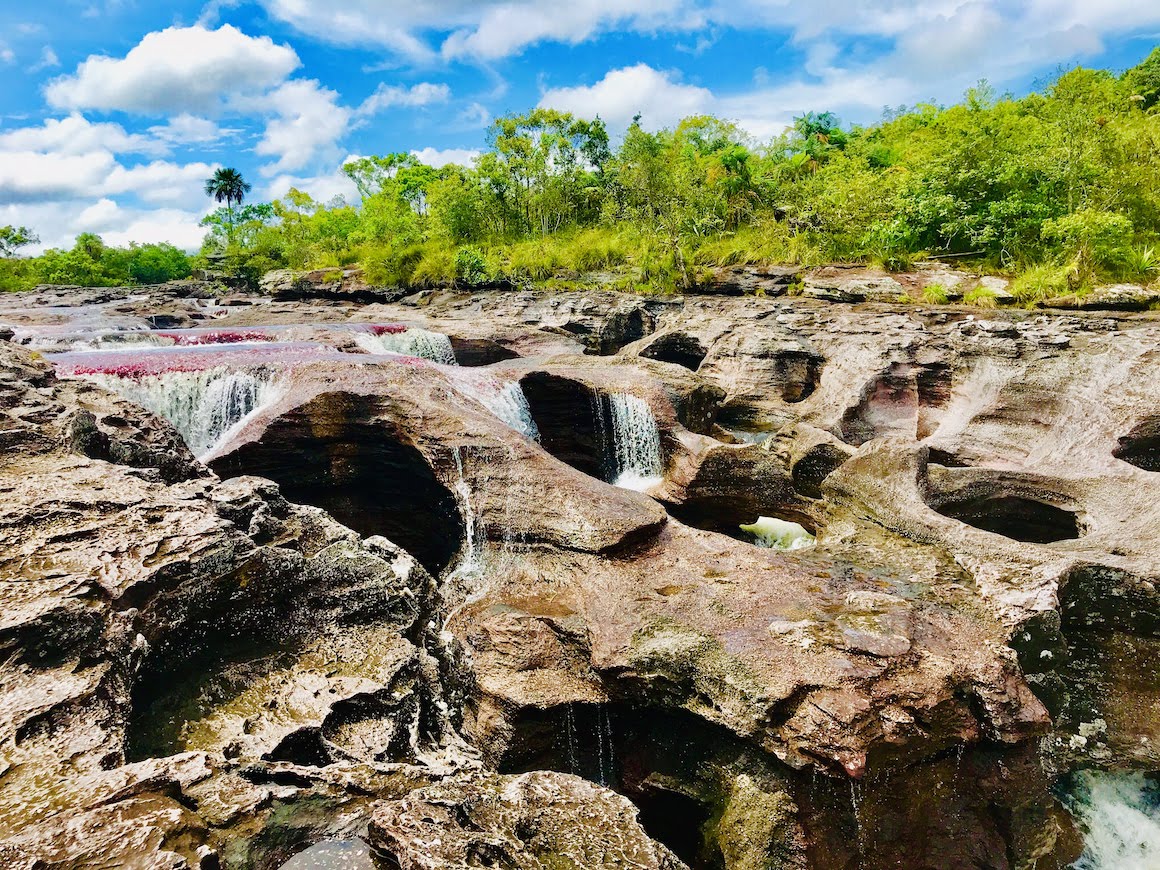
[(470, 566), (204, 406), (635, 441), (433, 346), (1119, 814), (779, 534), (504, 400)]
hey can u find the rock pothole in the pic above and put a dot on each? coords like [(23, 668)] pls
[(1141, 446), (1016, 517), (678, 348), (364, 475)]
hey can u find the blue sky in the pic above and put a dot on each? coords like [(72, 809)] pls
[(113, 112)]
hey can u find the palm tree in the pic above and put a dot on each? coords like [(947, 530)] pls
[(228, 186)]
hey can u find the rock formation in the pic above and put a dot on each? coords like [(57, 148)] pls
[(405, 601)]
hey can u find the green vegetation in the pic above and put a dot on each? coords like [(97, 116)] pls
[(1059, 189), (90, 263)]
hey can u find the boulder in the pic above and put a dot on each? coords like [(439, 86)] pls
[(534, 821)]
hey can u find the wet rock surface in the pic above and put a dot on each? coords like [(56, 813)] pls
[(401, 601)]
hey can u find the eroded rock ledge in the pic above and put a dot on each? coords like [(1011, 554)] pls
[(382, 612)]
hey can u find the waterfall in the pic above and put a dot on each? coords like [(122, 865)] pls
[(470, 565), (635, 440), (204, 406), (505, 401), (1119, 814), (779, 534), (434, 346)]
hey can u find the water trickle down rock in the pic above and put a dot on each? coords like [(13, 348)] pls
[(634, 439), (778, 534), (434, 346), (504, 400), (1120, 815), (204, 406)]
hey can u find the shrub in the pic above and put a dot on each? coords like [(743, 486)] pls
[(1042, 282), (935, 294), (470, 265)]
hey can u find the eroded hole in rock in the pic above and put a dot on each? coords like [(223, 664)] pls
[(946, 459), (471, 352), (181, 683), (905, 400), (659, 760), (332, 453), (622, 328), (798, 374), (678, 348), (610, 436), (566, 417), (1016, 517), (1141, 446), (814, 467)]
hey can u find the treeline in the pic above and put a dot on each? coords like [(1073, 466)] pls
[(89, 263), (1060, 188)]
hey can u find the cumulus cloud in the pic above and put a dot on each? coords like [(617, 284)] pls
[(322, 188), (179, 69), (75, 134), (187, 129), (161, 183), (440, 157), (308, 124), (484, 29), (48, 60), (659, 97), (29, 176), (390, 96)]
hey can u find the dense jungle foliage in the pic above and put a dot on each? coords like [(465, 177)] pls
[(1060, 188)]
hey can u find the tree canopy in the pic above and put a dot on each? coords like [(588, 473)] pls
[(1062, 184)]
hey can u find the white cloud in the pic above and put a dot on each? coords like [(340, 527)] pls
[(474, 116), (179, 69), (77, 135), (307, 126), (28, 176), (503, 29), (658, 96), (485, 29), (7, 55), (187, 129), (48, 60), (322, 188), (162, 183), (389, 96), (440, 157)]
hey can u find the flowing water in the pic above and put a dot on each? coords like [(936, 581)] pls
[(422, 343), (635, 441), (205, 406), (779, 534), (1119, 814), (504, 400)]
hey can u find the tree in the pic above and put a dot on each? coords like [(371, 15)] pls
[(13, 239), (1143, 80), (227, 185)]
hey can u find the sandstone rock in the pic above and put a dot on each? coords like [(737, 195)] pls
[(1116, 297), (534, 821)]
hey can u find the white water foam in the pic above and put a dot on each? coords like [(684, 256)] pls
[(778, 534), (504, 400), (205, 406), (1119, 814), (434, 346), (636, 443)]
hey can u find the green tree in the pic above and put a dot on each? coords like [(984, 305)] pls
[(227, 185), (12, 239)]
